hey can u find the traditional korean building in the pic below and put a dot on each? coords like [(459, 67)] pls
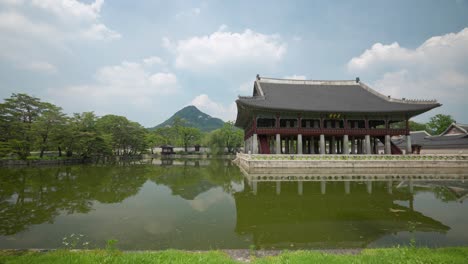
[(454, 140), (323, 117)]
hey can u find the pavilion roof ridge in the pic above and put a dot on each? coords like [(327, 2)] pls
[(396, 100), (312, 82)]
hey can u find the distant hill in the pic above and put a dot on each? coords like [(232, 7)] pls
[(194, 118)]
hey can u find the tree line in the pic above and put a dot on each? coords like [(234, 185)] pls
[(436, 125), (29, 125)]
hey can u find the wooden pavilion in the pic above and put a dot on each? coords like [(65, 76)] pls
[(323, 117)]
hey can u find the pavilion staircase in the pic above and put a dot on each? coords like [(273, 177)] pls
[(395, 149), (264, 147)]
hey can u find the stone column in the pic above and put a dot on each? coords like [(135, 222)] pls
[(254, 187), (353, 145), (333, 145), (388, 148), (322, 144), (299, 187), (345, 145), (299, 144), (408, 144), (312, 145), (376, 146), (278, 144), (323, 187), (368, 145), (255, 144), (278, 187), (389, 186)]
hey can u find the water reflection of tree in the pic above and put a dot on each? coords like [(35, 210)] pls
[(37, 195), (190, 181)]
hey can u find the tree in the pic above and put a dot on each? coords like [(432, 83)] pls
[(439, 123), (231, 136), (228, 137), (18, 114), (47, 126), (189, 136)]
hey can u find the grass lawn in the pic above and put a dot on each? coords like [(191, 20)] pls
[(381, 256)]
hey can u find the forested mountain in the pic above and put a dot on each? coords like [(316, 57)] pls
[(193, 117)]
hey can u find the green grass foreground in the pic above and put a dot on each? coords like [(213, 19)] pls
[(381, 256)]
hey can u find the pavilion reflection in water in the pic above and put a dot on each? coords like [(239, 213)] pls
[(345, 211)]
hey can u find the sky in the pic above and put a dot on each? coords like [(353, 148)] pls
[(147, 59)]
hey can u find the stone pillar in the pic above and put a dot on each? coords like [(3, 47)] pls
[(292, 150), (353, 145), (278, 187), (254, 187), (368, 145), (299, 144), (410, 185), (299, 187), (388, 148), (322, 144), (389, 186), (408, 144), (376, 146), (333, 145), (278, 144), (345, 145), (312, 145), (255, 144)]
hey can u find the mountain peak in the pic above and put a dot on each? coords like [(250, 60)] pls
[(194, 118)]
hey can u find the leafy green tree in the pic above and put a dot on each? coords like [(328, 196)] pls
[(439, 123), (154, 139), (226, 138), (18, 113), (232, 136), (189, 136), (47, 126)]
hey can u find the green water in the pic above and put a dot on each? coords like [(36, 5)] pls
[(210, 204)]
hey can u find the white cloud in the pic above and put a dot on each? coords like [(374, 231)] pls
[(99, 32), (205, 104), (154, 60), (437, 69), (295, 77), (30, 29), (40, 66), (223, 48), (126, 84), (70, 8)]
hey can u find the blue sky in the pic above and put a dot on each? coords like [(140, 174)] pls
[(147, 59)]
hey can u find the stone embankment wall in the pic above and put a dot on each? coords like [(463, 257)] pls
[(249, 162)]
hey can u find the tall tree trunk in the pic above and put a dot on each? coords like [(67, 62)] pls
[(59, 151)]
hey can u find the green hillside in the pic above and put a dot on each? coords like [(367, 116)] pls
[(194, 118)]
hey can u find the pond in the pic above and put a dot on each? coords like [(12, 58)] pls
[(211, 204)]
